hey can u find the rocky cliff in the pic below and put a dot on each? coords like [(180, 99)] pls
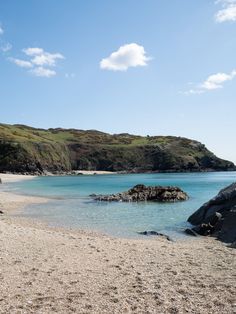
[(27, 149)]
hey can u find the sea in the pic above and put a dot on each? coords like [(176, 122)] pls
[(71, 206)]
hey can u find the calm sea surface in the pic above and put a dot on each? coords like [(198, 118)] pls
[(71, 206)]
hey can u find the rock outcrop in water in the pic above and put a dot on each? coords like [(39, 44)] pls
[(141, 192), (217, 217)]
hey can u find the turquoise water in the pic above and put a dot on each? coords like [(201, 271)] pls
[(71, 206)]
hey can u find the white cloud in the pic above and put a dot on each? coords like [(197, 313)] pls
[(228, 11), (47, 59), (21, 63), (41, 57), (43, 72), (6, 47), (1, 30), (131, 55), (33, 51), (216, 81), (213, 82), (39, 61)]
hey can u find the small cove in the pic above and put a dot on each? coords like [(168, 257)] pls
[(70, 205)]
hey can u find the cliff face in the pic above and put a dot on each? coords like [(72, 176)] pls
[(26, 149)]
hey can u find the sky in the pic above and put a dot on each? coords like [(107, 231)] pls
[(152, 67)]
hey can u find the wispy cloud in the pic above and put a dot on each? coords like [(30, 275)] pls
[(33, 51), (227, 12), (6, 47), (70, 75), (36, 60), (193, 92), (41, 57), (21, 63), (213, 82), (39, 61), (43, 72), (216, 81), (130, 55)]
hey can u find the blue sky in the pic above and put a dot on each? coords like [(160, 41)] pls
[(151, 67)]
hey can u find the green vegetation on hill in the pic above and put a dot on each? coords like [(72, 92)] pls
[(27, 149)]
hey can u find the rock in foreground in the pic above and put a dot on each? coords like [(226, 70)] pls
[(141, 192), (217, 217)]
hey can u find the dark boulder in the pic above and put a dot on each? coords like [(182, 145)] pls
[(221, 203), (207, 228), (217, 217), (227, 232), (141, 192)]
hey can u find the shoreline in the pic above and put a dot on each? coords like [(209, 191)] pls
[(10, 177), (11, 202), (49, 270), (24, 175)]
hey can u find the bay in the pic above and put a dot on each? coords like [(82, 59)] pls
[(70, 205)]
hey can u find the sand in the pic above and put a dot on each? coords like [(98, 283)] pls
[(13, 202), (44, 270), (8, 177), (92, 172)]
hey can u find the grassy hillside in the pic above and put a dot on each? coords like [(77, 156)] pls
[(26, 149)]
